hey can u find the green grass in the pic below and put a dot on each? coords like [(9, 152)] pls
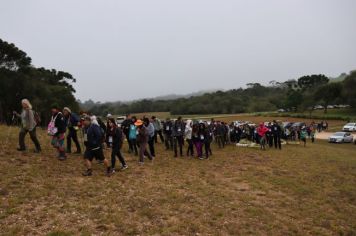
[(239, 191)]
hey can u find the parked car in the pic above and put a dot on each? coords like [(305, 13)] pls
[(341, 137), (349, 127), (318, 107), (298, 125), (287, 125), (119, 120)]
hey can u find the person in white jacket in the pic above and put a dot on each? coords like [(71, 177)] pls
[(188, 137)]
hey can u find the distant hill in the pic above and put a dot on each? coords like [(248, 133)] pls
[(340, 78), (176, 96)]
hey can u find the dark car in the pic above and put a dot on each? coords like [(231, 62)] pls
[(298, 125)]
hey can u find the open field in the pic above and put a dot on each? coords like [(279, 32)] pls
[(239, 191)]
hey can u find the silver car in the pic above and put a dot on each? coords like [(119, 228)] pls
[(341, 137)]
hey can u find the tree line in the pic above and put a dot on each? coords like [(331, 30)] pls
[(295, 95), (43, 87)]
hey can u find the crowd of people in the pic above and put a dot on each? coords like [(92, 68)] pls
[(180, 137)]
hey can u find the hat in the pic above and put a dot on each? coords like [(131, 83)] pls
[(138, 123), (67, 109)]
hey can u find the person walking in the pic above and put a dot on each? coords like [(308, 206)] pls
[(158, 129), (142, 139), (178, 133), (197, 141), (133, 135), (167, 131), (57, 129), (151, 135), (28, 125), (72, 121), (93, 141), (276, 132), (188, 137), (261, 131), (117, 138)]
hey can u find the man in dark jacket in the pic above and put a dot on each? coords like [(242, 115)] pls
[(93, 141), (58, 132), (142, 139), (167, 131), (277, 132), (178, 134), (71, 121)]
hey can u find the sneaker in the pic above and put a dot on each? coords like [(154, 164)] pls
[(124, 167), (112, 171), (88, 172), (141, 163), (62, 158), (201, 158)]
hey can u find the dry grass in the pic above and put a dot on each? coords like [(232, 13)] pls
[(239, 191)]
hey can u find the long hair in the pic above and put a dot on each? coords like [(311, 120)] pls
[(27, 102)]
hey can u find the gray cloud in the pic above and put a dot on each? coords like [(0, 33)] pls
[(122, 50)]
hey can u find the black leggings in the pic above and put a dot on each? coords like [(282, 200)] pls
[(117, 152), (190, 150)]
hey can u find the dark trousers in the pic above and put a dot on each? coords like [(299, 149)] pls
[(190, 150), (277, 141), (33, 136), (133, 143), (151, 146), (72, 134), (116, 152), (168, 141), (178, 141), (270, 140), (143, 151), (207, 149), (220, 140), (158, 133)]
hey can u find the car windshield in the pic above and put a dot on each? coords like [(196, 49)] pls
[(350, 124), (339, 134)]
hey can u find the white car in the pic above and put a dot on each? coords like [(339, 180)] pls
[(349, 127), (119, 120), (341, 137)]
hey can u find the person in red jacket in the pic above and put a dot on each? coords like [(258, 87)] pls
[(261, 131)]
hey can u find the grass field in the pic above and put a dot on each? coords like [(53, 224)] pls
[(239, 191)]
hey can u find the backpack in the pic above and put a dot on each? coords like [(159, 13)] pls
[(52, 129), (37, 118)]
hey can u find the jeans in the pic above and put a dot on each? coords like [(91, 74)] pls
[(168, 141), (151, 145), (116, 151), (33, 136), (143, 151), (133, 144), (72, 134), (158, 132), (190, 150), (178, 140), (277, 141)]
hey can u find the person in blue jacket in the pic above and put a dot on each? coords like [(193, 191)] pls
[(133, 135), (93, 141), (72, 122)]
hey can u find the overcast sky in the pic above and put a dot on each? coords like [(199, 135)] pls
[(123, 50)]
